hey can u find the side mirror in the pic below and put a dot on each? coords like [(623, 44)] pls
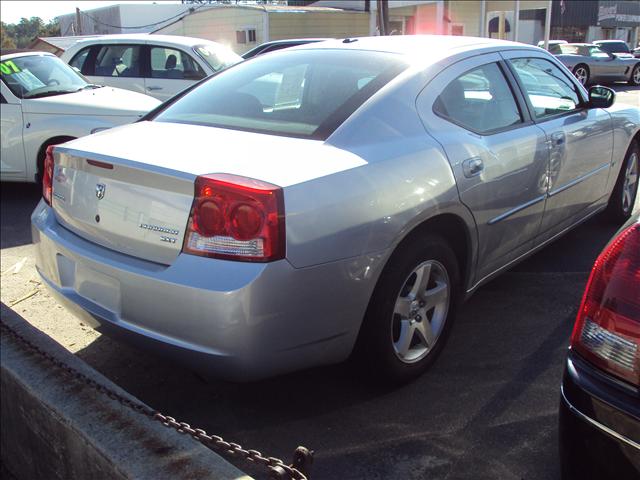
[(601, 97)]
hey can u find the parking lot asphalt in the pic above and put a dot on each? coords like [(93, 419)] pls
[(486, 410)]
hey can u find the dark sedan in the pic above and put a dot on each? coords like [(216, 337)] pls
[(600, 404)]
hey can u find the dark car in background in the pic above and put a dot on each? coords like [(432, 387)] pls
[(600, 399), (617, 47), (279, 45)]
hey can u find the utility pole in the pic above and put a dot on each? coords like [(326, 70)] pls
[(383, 17), (78, 22)]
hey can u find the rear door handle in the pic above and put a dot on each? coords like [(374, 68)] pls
[(151, 89), (472, 166)]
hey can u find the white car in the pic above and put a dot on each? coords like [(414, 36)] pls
[(45, 102), (158, 65)]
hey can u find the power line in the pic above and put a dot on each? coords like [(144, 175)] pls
[(184, 13)]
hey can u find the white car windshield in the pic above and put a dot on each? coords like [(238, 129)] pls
[(37, 76), (301, 93), (217, 58)]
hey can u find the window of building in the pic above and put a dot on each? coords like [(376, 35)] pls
[(457, 29), (246, 35), (479, 100)]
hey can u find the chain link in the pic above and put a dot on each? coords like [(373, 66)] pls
[(277, 468)]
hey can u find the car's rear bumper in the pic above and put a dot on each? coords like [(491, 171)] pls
[(599, 424), (234, 320)]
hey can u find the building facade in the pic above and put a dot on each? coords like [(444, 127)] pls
[(122, 18), (590, 20), (242, 27)]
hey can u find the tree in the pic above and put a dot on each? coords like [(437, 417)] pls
[(21, 34), (5, 39)]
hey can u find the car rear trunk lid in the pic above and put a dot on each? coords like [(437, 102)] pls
[(122, 205)]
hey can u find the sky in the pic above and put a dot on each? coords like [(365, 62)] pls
[(11, 11)]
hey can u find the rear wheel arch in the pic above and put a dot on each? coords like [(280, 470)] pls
[(443, 244), (43, 150), (454, 231)]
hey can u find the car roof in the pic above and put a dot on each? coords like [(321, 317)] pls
[(411, 45), (26, 54), (145, 37), (609, 41), (296, 40)]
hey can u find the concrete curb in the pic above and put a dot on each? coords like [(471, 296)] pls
[(54, 427)]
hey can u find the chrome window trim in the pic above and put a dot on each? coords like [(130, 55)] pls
[(517, 209), (533, 250), (597, 424), (578, 180)]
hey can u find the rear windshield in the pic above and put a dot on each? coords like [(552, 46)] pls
[(303, 93)]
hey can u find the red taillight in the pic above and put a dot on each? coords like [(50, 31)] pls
[(607, 329), (236, 218), (47, 175)]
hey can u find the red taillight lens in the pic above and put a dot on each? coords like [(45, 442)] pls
[(47, 175), (236, 218), (607, 329)]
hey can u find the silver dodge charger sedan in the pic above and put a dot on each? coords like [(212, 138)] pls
[(332, 199)]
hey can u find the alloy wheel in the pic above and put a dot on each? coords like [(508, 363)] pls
[(629, 188), (582, 75), (636, 75), (420, 311)]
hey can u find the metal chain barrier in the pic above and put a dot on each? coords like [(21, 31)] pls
[(278, 470)]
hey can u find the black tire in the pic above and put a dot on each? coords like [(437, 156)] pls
[(635, 75), (577, 72), (43, 151), (375, 351), (624, 194)]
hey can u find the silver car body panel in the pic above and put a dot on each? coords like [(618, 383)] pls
[(602, 69), (349, 202)]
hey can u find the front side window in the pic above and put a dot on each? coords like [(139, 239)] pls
[(119, 61), (37, 76), (305, 93), (479, 100), (172, 63), (549, 90), (78, 60)]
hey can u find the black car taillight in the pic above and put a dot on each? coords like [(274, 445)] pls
[(236, 218), (607, 329)]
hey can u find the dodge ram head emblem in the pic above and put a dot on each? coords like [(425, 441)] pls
[(100, 188)]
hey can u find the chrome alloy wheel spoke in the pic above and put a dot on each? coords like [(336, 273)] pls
[(420, 311), (631, 178)]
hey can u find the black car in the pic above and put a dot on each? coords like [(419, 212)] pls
[(600, 399), (279, 45)]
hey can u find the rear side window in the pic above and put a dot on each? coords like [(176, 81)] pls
[(119, 61), (305, 93), (479, 100), (549, 90), (79, 58), (172, 63)]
